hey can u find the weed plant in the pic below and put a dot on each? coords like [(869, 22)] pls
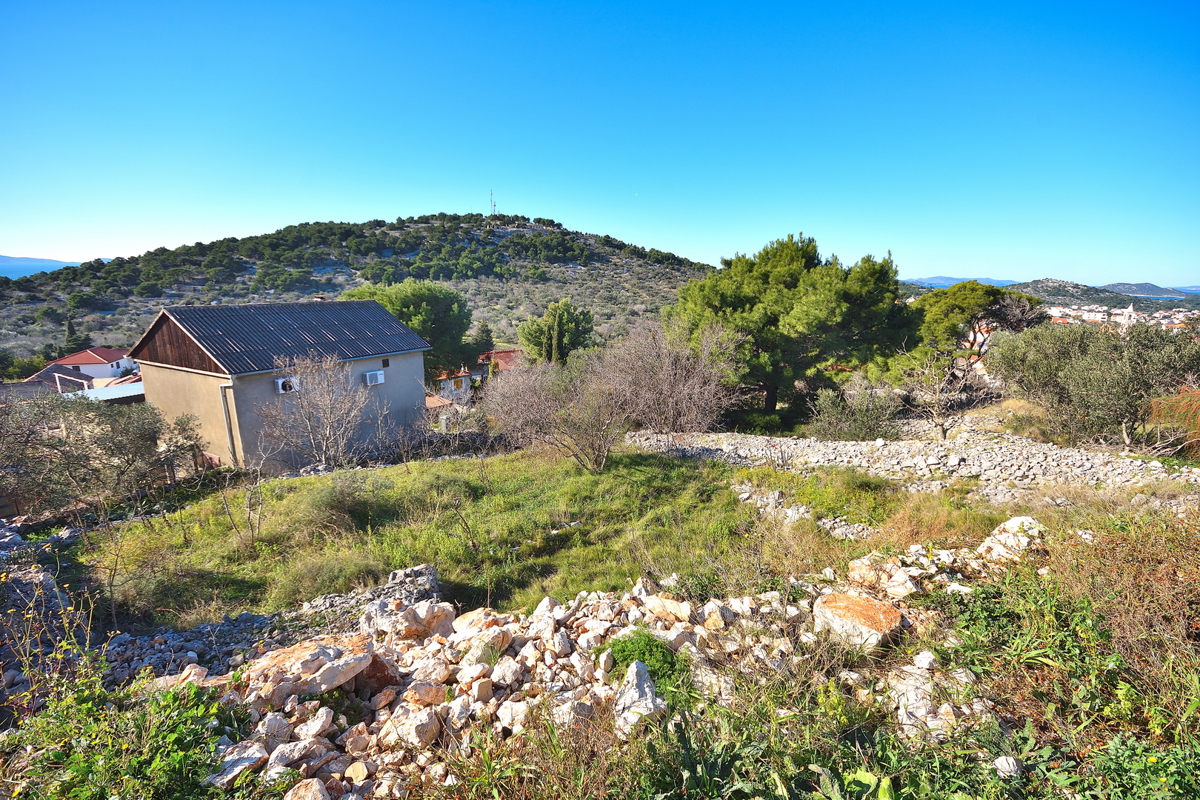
[(74, 738)]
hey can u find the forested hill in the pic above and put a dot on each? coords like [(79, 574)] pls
[(509, 266)]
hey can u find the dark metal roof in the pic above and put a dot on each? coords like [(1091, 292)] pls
[(249, 338)]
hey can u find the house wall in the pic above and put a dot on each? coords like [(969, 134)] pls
[(175, 392), (401, 395), (105, 370)]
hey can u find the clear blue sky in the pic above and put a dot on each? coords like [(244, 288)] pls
[(1008, 140)]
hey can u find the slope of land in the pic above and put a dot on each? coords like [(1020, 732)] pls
[(953, 650), (509, 267), (1144, 290), (1066, 293)]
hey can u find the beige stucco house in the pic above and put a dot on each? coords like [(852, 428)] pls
[(219, 364)]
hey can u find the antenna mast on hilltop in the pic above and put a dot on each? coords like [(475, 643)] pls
[(492, 200)]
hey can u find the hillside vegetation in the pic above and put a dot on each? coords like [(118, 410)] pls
[(1066, 293), (509, 267)]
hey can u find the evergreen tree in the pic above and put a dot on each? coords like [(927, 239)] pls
[(436, 313), (73, 342), (798, 313), (562, 329), (483, 341)]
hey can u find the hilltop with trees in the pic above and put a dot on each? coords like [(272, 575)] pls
[(509, 267)]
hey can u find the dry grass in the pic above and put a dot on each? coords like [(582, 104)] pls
[(585, 761), (1023, 418), (943, 519), (1140, 570), (800, 548)]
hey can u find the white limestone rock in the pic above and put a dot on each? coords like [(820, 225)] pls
[(637, 702)]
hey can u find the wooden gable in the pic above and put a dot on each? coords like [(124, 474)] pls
[(169, 345)]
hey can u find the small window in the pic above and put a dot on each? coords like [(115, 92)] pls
[(458, 384), (387, 362), (286, 385)]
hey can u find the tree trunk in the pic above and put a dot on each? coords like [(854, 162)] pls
[(771, 400)]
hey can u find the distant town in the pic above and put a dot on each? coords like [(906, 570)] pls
[(1175, 318)]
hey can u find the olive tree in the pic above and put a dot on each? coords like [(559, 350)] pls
[(1096, 383)]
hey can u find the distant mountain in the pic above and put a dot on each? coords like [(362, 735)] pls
[(14, 267), (1065, 293), (941, 282), (1143, 290), (39, 263), (1187, 289)]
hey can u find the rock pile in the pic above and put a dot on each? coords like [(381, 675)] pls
[(10, 539), (225, 645), (421, 681), (33, 616), (13, 542), (931, 704)]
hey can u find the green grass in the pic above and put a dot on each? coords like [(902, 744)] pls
[(487, 525), (833, 492), (1088, 649), (501, 533)]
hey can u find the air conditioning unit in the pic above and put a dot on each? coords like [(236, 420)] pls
[(285, 385), (373, 378)]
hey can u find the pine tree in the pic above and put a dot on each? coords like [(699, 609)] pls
[(73, 342)]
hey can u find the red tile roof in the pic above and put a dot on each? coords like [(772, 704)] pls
[(93, 355), (507, 359), (434, 401)]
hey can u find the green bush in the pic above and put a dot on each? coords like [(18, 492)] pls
[(333, 570), (1093, 382)]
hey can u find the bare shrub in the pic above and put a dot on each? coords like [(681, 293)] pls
[(326, 420), (585, 407), (670, 385), (942, 389), (569, 409)]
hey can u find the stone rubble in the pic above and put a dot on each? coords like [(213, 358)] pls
[(914, 692), (772, 503), (424, 681), (1006, 466), (225, 645)]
